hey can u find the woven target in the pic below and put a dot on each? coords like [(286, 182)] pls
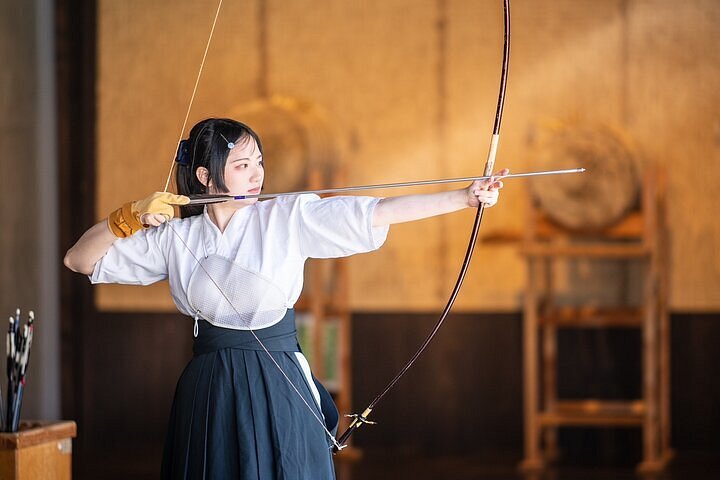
[(599, 197), (296, 137)]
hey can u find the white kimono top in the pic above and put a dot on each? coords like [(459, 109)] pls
[(257, 262)]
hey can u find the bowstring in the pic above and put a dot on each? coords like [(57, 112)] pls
[(192, 97), (197, 261)]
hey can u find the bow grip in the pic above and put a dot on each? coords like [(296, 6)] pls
[(490, 164)]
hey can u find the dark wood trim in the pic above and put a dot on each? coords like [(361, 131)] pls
[(471, 378), (75, 24)]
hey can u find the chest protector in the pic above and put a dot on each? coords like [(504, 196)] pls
[(228, 295)]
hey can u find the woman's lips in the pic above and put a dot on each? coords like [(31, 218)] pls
[(254, 191)]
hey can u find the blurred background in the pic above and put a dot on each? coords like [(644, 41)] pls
[(586, 333)]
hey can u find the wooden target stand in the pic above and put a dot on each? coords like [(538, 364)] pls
[(640, 236)]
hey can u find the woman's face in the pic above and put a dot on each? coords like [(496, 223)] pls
[(244, 172)]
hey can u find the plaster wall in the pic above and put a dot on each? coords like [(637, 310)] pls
[(411, 87)]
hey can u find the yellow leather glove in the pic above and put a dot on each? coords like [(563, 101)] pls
[(127, 219)]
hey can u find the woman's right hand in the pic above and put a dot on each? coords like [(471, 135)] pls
[(158, 208), (123, 222), (151, 211)]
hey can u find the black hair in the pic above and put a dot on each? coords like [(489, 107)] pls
[(207, 146)]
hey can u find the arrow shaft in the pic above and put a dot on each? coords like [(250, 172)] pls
[(207, 199)]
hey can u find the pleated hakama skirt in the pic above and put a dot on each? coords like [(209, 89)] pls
[(235, 416)]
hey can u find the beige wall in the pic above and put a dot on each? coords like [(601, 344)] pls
[(411, 102)]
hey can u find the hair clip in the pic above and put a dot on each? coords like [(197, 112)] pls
[(181, 157), (230, 144)]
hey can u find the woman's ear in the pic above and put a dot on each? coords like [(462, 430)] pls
[(203, 175)]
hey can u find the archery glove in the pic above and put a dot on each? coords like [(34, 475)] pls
[(126, 220)]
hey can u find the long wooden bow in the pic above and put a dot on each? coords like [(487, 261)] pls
[(362, 418)]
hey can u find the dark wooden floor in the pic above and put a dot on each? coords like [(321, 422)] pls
[(141, 464), (379, 466)]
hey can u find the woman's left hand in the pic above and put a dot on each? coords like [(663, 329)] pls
[(486, 191)]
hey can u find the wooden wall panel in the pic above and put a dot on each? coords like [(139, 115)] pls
[(465, 394), (461, 396), (130, 366)]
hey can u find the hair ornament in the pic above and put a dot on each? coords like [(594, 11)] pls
[(182, 157), (230, 144)]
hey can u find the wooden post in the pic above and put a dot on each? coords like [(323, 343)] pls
[(663, 262), (316, 291), (549, 368), (341, 307), (533, 460)]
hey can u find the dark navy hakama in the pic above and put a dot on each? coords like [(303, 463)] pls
[(235, 416)]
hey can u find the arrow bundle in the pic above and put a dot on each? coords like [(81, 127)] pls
[(18, 345)]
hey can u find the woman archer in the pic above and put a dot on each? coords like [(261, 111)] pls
[(247, 405)]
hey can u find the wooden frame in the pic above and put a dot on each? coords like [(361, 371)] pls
[(640, 236)]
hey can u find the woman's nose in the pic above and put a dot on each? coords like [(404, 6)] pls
[(256, 174)]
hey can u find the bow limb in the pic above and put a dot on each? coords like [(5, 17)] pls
[(360, 419)]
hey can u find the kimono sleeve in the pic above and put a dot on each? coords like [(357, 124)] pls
[(338, 226), (135, 260)]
